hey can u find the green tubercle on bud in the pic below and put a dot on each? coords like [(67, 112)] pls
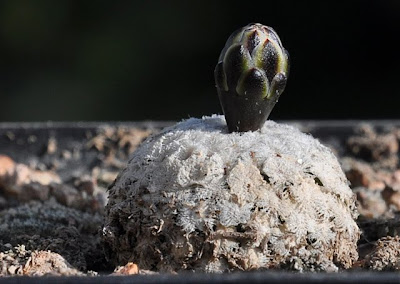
[(250, 76)]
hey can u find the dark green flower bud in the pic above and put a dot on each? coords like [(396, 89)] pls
[(251, 74)]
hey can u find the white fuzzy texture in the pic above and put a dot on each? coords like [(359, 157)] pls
[(196, 197)]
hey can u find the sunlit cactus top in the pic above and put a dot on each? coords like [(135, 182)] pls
[(251, 74)]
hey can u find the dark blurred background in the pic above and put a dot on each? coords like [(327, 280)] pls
[(154, 60)]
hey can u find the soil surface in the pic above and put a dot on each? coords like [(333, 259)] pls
[(54, 179)]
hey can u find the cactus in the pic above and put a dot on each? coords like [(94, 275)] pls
[(250, 76)]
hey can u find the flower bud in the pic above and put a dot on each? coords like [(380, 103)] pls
[(250, 76)]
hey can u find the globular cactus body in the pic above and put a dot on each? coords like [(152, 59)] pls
[(250, 76)]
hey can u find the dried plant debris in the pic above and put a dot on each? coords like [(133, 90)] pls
[(20, 261), (197, 198), (385, 255)]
